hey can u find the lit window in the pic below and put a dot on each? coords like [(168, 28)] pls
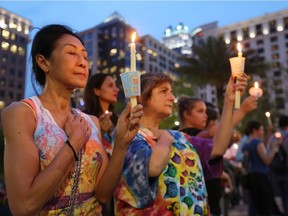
[(13, 36), (113, 69), (113, 52), (19, 27), (5, 34), (5, 45), (13, 48), (21, 51)]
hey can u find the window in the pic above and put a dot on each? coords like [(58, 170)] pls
[(280, 103), (275, 56), (272, 26), (259, 42), (245, 33), (258, 30), (274, 47), (277, 73), (273, 39)]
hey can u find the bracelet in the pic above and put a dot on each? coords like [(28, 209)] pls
[(74, 153)]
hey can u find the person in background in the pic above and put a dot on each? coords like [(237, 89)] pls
[(258, 160), (101, 93), (163, 170), (201, 120), (280, 177), (54, 161)]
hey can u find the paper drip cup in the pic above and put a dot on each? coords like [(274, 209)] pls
[(131, 83), (237, 69), (237, 65)]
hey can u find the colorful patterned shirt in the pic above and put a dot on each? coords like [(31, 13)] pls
[(49, 139), (180, 188)]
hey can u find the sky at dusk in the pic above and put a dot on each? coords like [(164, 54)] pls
[(149, 17)]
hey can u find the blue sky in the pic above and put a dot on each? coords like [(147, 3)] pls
[(149, 17)]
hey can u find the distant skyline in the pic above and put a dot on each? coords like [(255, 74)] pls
[(149, 17)]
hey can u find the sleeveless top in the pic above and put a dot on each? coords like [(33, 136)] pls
[(49, 139)]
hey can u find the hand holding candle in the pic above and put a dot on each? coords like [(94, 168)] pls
[(237, 67), (256, 91), (268, 118), (131, 79)]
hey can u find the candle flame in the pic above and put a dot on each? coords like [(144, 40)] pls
[(267, 114), (239, 48), (256, 85), (133, 37)]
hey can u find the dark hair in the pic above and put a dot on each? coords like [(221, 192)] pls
[(92, 103), (186, 104), (44, 43), (149, 81), (253, 125), (212, 114), (283, 121)]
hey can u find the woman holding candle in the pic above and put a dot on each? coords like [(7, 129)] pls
[(101, 92), (54, 161), (163, 172), (193, 114)]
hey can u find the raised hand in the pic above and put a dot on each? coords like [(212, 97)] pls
[(232, 86), (249, 104)]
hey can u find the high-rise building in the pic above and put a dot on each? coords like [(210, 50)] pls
[(14, 38), (178, 39), (268, 36), (108, 49), (107, 45), (157, 58)]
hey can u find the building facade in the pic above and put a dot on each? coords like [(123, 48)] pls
[(268, 36), (178, 39), (14, 38)]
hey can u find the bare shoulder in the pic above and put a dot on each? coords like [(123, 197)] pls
[(17, 113)]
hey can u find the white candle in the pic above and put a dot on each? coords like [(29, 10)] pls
[(133, 53), (268, 118), (133, 100), (239, 48), (256, 91), (237, 93)]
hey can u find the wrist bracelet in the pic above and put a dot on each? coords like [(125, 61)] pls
[(74, 153)]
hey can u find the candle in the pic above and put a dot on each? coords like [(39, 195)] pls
[(256, 91), (268, 118), (133, 100), (133, 53), (237, 67), (239, 48)]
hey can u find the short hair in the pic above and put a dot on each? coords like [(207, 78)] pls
[(149, 81), (283, 121), (253, 125)]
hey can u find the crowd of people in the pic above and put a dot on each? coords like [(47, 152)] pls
[(60, 160)]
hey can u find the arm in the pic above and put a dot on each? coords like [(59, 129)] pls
[(160, 154), (109, 174), (248, 105), (267, 156), (223, 135), (28, 188)]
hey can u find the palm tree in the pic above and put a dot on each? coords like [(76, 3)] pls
[(210, 64)]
